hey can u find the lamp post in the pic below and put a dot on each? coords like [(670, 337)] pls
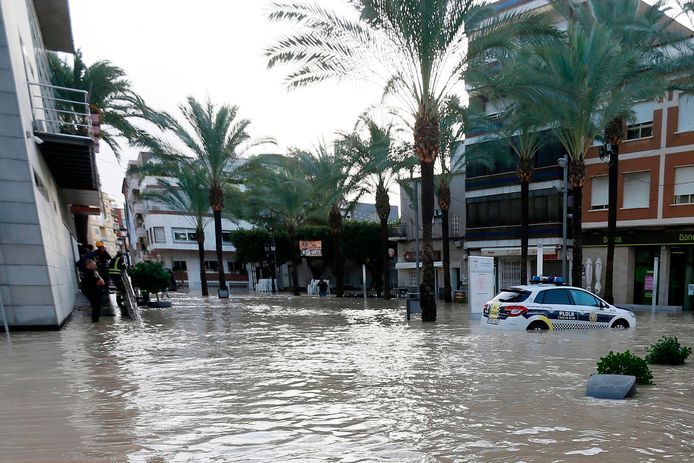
[(564, 164)]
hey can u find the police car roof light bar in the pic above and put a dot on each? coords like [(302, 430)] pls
[(537, 279)]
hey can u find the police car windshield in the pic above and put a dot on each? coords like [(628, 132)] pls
[(511, 295)]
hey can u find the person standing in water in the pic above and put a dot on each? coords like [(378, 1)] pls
[(92, 286)]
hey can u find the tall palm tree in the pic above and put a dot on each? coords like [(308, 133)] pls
[(182, 189), (279, 193), (217, 138), (330, 169), (645, 29), (451, 163), (379, 160), (110, 95), (415, 49), (580, 83)]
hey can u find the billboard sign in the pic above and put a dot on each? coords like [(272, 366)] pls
[(311, 248)]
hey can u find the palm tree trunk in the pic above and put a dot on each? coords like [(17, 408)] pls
[(524, 230), (614, 133), (218, 240), (577, 172), (426, 289), (383, 211), (335, 219), (200, 237), (296, 259), (444, 195)]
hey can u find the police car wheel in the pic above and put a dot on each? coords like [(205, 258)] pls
[(620, 325), (537, 326)]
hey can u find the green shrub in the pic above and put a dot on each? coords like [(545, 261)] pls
[(667, 351), (150, 276), (625, 363)]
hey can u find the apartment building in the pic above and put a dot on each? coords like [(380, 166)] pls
[(405, 237), (655, 216), (104, 227), (157, 233), (48, 178)]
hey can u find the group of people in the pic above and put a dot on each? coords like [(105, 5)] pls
[(97, 270)]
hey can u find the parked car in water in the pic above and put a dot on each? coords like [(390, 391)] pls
[(549, 304)]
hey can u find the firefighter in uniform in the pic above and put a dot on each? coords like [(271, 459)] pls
[(115, 272)]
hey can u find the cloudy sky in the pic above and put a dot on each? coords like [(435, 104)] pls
[(211, 48)]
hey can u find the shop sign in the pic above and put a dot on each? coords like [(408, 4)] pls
[(411, 256), (641, 238), (311, 248)]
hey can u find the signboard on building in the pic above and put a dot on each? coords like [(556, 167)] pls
[(641, 237), (311, 248), (411, 256), (481, 282)]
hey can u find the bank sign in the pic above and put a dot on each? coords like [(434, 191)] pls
[(641, 238), (311, 248)]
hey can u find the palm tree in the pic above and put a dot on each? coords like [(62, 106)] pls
[(580, 83), (280, 194), (217, 139), (415, 49), (451, 163), (183, 190), (110, 95), (379, 161), (332, 174), (645, 30)]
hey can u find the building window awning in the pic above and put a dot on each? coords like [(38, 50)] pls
[(516, 251), (408, 265)]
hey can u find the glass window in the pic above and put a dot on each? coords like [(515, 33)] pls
[(236, 268), (192, 236), (583, 298), (226, 237), (211, 265), (636, 131), (179, 265), (184, 235), (684, 185), (159, 235), (511, 295), (554, 296), (685, 122)]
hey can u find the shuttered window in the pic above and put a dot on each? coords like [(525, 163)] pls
[(598, 198), (684, 185), (637, 190), (642, 125), (686, 114)]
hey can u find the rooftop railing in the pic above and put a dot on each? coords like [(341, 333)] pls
[(60, 110)]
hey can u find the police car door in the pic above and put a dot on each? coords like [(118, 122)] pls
[(588, 306), (560, 308)]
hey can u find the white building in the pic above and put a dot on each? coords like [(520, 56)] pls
[(157, 233), (48, 177)]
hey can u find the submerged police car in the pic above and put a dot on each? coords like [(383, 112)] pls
[(548, 304)]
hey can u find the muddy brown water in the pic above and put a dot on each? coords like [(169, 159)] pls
[(278, 379)]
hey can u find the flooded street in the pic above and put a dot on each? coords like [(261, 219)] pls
[(263, 379)]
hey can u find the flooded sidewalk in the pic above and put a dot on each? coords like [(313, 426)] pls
[(283, 379)]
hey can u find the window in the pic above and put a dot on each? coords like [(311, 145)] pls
[(511, 295), (583, 298), (642, 127), (637, 190), (179, 265), (226, 237), (184, 235), (159, 235), (553, 296), (685, 122), (598, 198), (684, 185), (455, 225), (236, 268), (211, 266), (413, 277)]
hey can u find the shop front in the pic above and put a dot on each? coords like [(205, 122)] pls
[(647, 264)]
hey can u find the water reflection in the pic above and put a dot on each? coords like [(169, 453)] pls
[(276, 379)]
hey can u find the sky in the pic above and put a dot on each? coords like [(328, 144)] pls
[(171, 49)]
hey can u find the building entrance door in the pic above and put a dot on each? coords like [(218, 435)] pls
[(509, 273), (681, 276), (643, 274)]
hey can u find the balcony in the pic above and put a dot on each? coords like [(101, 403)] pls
[(62, 125)]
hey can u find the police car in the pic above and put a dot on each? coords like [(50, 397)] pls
[(548, 304)]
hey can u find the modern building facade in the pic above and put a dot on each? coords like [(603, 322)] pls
[(655, 215), (48, 177), (157, 233)]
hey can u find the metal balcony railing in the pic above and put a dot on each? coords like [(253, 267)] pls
[(60, 110)]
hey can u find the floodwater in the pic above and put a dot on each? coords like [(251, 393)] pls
[(278, 379)]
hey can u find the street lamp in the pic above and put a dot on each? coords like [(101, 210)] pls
[(564, 164)]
